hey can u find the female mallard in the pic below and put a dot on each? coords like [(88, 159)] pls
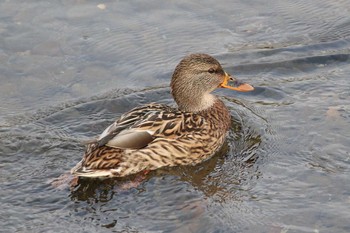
[(156, 135)]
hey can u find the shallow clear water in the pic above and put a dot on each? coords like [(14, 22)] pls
[(69, 68)]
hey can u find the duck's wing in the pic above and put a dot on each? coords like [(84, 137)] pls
[(120, 127), (137, 128)]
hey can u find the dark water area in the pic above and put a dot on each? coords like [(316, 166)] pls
[(70, 68)]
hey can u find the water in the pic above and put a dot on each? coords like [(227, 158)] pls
[(69, 68)]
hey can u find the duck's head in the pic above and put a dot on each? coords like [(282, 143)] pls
[(195, 77)]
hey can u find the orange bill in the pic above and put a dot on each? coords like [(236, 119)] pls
[(236, 85)]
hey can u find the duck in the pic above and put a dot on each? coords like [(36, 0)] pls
[(155, 135)]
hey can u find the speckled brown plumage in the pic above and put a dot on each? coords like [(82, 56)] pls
[(155, 135)]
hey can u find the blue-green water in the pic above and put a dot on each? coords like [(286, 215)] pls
[(69, 68)]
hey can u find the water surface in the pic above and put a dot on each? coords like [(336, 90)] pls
[(69, 68)]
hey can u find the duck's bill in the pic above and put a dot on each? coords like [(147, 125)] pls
[(243, 87), (235, 84)]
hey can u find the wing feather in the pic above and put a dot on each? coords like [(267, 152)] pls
[(140, 126)]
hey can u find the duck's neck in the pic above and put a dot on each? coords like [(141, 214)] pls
[(218, 116), (197, 104)]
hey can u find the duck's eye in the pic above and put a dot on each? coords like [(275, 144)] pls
[(211, 70)]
